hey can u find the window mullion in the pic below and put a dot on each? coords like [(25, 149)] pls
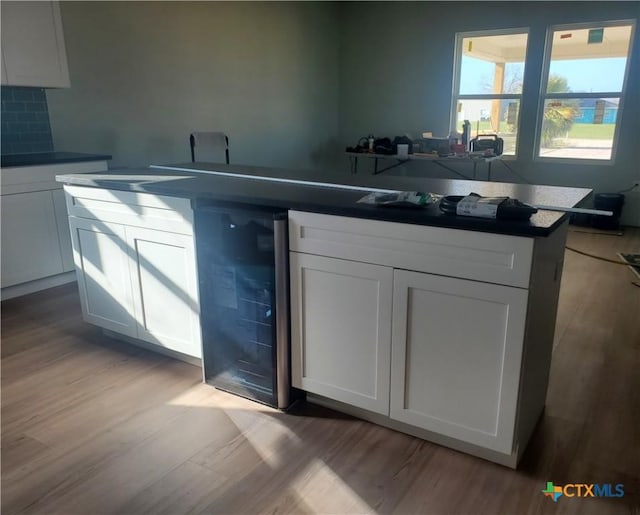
[(491, 96)]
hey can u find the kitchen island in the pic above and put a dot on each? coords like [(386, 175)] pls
[(436, 325)]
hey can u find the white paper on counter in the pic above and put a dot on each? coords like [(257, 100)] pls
[(483, 207)]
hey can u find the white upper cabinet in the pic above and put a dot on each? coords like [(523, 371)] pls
[(33, 51)]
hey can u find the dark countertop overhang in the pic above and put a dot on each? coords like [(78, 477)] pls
[(49, 158), (202, 182)]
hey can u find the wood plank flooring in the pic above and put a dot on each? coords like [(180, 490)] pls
[(91, 425)]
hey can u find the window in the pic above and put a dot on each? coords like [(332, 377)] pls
[(488, 83), (582, 90)]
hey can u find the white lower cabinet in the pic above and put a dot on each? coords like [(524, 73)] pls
[(453, 366), (471, 327), (456, 355), (36, 251), (30, 247), (136, 276), (62, 225), (165, 290), (341, 329), (104, 279)]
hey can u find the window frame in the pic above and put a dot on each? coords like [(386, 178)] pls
[(457, 72), (543, 96)]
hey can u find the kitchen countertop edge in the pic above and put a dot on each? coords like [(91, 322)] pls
[(203, 187), (48, 158)]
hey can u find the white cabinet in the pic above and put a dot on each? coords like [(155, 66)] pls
[(491, 258), (165, 291), (341, 329), (456, 354), (36, 245), (135, 258), (30, 248), (33, 50), (471, 323), (62, 226), (104, 279)]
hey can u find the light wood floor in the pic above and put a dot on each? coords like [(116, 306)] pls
[(92, 425)]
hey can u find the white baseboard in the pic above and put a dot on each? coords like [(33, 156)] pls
[(507, 460), (39, 284)]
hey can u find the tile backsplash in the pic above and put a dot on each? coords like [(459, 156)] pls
[(25, 121)]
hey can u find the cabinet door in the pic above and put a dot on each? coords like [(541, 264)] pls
[(101, 257), (30, 248), (33, 45), (3, 69), (456, 352), (341, 329), (165, 289), (62, 225)]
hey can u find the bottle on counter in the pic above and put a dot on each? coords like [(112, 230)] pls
[(371, 140), (466, 135)]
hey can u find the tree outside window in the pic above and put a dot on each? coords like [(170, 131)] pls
[(579, 109), (488, 84), (584, 80)]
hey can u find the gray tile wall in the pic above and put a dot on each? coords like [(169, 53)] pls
[(25, 121)]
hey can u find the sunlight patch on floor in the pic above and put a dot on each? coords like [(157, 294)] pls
[(324, 491), (249, 417)]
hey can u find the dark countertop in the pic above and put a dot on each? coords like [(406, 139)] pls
[(188, 181), (49, 158)]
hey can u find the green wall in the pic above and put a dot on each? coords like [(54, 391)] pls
[(396, 77), (294, 83), (146, 74)]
